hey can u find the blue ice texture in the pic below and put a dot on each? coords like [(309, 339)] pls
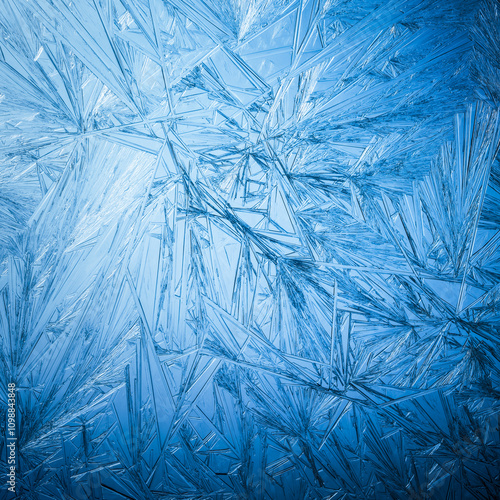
[(250, 249)]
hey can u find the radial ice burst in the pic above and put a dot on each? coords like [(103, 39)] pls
[(250, 249)]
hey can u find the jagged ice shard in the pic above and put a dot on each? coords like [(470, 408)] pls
[(249, 249)]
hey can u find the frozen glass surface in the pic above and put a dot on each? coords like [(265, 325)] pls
[(249, 249)]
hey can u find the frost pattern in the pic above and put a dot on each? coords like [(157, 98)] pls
[(250, 248)]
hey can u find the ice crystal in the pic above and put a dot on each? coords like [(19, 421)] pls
[(250, 248)]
